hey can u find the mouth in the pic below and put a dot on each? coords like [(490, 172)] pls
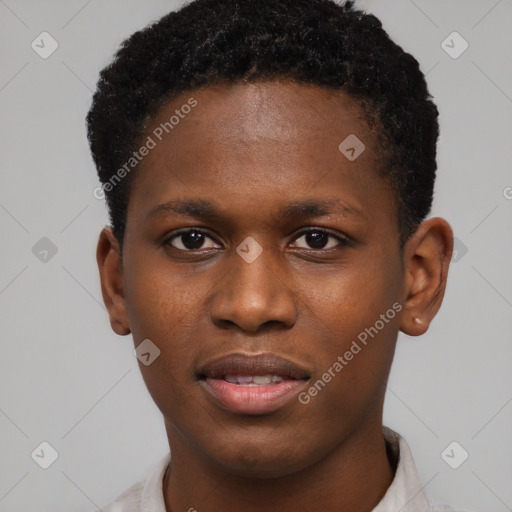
[(252, 384)]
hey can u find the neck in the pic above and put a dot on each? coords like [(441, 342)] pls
[(354, 476)]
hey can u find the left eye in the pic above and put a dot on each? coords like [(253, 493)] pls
[(318, 239)]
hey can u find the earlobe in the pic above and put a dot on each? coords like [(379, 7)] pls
[(427, 257), (108, 256)]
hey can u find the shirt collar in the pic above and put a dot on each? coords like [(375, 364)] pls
[(405, 494), (152, 497)]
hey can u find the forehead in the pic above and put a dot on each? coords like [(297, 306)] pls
[(267, 142), (283, 111)]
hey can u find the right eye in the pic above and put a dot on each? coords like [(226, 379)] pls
[(188, 240)]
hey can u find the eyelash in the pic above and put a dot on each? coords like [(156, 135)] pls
[(344, 242)]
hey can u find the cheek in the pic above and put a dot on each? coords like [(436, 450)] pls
[(359, 316), (167, 311), (350, 380), (353, 299), (160, 301)]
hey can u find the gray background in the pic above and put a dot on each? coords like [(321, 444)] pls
[(68, 380)]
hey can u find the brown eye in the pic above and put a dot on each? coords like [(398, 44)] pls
[(190, 240), (319, 239)]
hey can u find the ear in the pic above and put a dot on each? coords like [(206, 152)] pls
[(108, 256), (427, 256)]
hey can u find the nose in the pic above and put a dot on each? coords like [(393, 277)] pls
[(253, 296)]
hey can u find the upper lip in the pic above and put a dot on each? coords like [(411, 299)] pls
[(252, 364)]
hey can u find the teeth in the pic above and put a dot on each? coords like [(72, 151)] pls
[(254, 380), (263, 379)]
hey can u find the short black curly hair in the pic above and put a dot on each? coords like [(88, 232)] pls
[(319, 42)]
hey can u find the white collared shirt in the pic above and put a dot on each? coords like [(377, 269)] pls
[(405, 494)]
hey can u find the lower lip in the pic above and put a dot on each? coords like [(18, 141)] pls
[(259, 399)]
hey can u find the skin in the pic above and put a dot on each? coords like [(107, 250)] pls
[(251, 149)]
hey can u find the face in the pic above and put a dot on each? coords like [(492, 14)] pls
[(255, 248)]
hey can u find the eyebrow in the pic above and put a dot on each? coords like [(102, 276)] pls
[(202, 209), (319, 208)]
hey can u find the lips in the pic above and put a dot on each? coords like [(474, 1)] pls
[(250, 365), (252, 384)]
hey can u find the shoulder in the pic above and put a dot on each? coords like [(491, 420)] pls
[(406, 492), (128, 501), (146, 494)]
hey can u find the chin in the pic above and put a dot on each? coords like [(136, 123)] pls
[(261, 460)]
